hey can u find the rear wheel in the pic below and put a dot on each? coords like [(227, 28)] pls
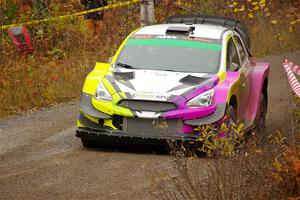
[(261, 122), (89, 143)]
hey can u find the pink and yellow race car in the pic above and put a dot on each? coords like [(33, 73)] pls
[(166, 80)]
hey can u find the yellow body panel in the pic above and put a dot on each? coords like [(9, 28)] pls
[(79, 125), (94, 77), (93, 119), (234, 89), (108, 123), (111, 108), (222, 76)]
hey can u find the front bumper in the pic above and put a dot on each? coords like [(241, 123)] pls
[(174, 126), (97, 130), (134, 128)]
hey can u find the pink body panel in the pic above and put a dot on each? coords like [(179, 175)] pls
[(259, 74), (190, 113), (250, 109), (222, 90)]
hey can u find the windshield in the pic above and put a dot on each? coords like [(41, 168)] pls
[(171, 55)]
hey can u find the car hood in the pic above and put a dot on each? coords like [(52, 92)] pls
[(158, 85)]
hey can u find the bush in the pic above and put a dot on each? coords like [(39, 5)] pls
[(237, 165)]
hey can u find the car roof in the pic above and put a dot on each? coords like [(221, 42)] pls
[(201, 30)]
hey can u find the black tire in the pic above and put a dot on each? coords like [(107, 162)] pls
[(231, 113), (261, 121), (89, 143), (232, 119)]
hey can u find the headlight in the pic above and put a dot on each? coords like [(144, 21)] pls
[(202, 100), (102, 93)]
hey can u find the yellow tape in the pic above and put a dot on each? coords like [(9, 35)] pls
[(116, 5)]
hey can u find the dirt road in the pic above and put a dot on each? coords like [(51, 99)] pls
[(40, 158)]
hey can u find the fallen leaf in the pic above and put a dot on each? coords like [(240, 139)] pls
[(258, 151), (274, 22)]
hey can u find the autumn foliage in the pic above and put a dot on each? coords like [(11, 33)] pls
[(65, 53)]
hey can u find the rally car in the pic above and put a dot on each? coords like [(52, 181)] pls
[(167, 80)]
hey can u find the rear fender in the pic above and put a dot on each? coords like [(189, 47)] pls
[(259, 75)]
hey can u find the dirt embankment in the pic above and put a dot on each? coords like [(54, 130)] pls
[(41, 159)]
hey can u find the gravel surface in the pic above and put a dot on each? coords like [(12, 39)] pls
[(40, 157)]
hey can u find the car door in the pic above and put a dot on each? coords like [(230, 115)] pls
[(236, 64), (246, 71)]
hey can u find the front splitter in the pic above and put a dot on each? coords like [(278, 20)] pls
[(119, 136)]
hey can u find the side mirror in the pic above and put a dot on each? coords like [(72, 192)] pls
[(110, 59), (234, 67)]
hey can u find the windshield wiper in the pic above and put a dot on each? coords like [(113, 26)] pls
[(127, 66), (169, 70)]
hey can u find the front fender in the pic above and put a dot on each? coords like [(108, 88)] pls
[(94, 77), (227, 88), (223, 92)]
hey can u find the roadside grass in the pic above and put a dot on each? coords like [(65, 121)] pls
[(64, 54), (37, 82), (268, 39)]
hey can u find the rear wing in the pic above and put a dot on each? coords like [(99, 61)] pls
[(213, 20)]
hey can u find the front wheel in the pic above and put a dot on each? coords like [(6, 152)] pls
[(231, 113)]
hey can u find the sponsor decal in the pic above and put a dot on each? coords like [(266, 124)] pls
[(177, 37), (200, 39), (142, 37), (160, 124), (166, 37), (150, 96), (164, 97)]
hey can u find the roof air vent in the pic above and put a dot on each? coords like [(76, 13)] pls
[(180, 30)]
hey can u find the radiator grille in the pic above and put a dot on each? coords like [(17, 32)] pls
[(152, 106)]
